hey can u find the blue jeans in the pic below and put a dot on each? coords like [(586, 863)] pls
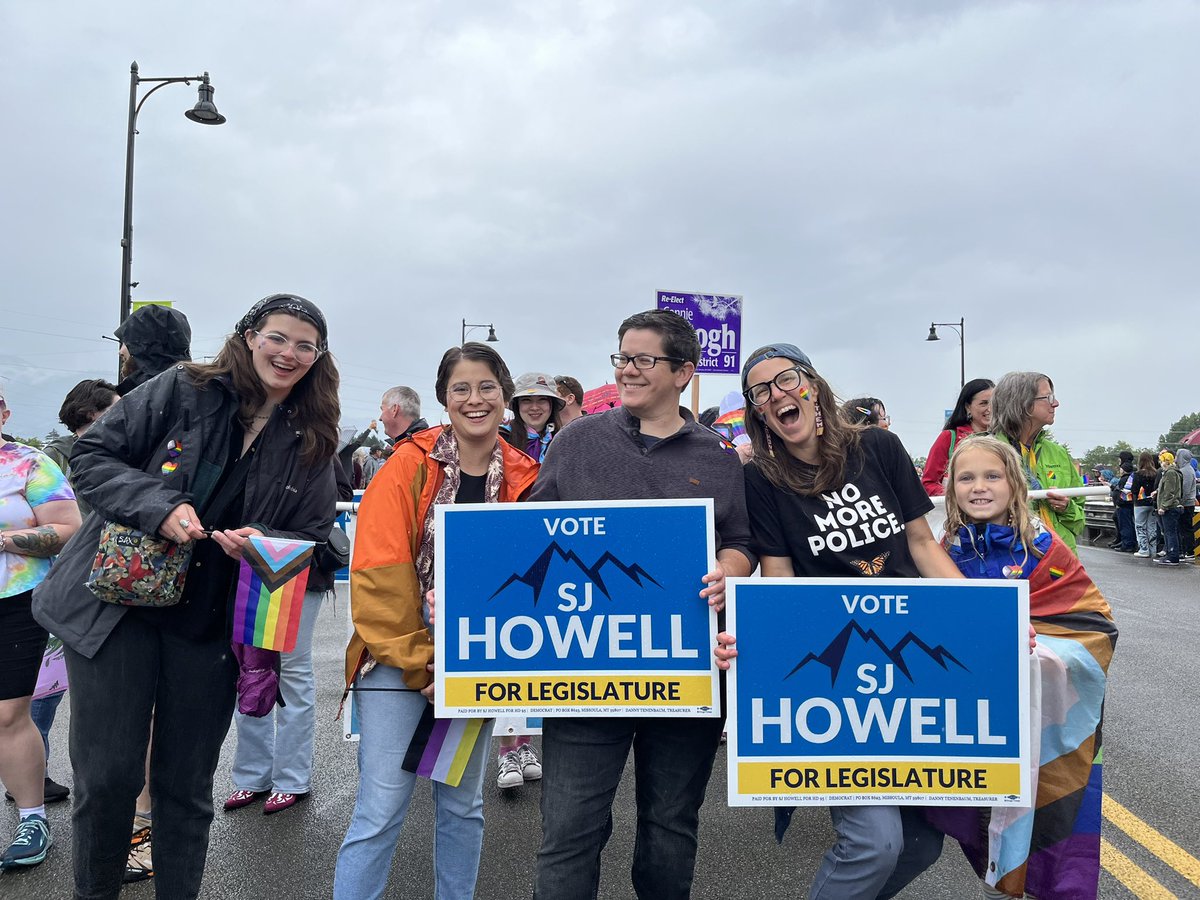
[(1170, 524), (42, 711), (1125, 529), (275, 752), (1145, 524), (582, 764), (388, 714)]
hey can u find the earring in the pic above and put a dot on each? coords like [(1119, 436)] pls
[(770, 446), (820, 421)]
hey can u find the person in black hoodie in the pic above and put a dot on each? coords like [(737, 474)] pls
[(1122, 497), (153, 339), (1145, 521)]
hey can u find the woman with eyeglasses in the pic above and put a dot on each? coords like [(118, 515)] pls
[(1023, 406), (866, 411), (804, 452), (210, 453), (390, 656), (972, 414)]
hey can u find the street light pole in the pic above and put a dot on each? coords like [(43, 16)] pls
[(491, 338), (961, 328), (204, 112)]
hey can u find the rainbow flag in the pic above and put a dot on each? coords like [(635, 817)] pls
[(270, 592), (441, 748), (732, 427)]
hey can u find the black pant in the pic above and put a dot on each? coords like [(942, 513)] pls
[(1187, 531), (188, 686)]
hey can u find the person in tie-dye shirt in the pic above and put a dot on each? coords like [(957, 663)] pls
[(37, 516)]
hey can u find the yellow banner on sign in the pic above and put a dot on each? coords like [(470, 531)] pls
[(138, 304), (580, 690), (850, 777)]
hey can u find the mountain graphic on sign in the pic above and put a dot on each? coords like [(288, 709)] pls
[(853, 640), (606, 572)]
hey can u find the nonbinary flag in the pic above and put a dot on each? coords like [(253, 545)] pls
[(441, 748), (270, 592)]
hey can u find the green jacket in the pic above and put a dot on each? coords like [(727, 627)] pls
[(1055, 470), (1170, 487)]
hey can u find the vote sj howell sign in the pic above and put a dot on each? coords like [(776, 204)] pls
[(575, 609), (717, 319), (863, 691)]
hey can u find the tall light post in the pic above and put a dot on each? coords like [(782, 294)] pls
[(961, 327), (204, 112), (491, 338)]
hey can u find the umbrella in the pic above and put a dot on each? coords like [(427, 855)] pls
[(599, 399), (1192, 438)]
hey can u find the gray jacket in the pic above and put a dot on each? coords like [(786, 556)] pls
[(120, 467), (1184, 460)]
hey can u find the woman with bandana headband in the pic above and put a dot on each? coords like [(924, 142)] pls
[(209, 453), (803, 449)]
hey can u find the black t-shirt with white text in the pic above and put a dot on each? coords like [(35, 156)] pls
[(854, 531)]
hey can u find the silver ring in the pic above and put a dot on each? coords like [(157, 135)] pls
[(186, 523)]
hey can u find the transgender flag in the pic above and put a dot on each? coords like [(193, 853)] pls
[(270, 592)]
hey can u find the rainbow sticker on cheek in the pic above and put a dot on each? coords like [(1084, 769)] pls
[(804, 393)]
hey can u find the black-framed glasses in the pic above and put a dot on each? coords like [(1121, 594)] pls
[(641, 360), (304, 352), (488, 390), (787, 380)]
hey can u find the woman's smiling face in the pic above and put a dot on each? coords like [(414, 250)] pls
[(790, 414)]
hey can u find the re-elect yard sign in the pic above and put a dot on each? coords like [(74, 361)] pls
[(865, 691), (575, 609)]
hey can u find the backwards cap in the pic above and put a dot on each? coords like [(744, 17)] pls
[(772, 351)]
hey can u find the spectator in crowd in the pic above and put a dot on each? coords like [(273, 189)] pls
[(238, 447), (390, 656), (38, 516), (972, 414), (1122, 498), (1187, 501), (1023, 405), (866, 411), (584, 758), (802, 451), (372, 465), (153, 338), (83, 405), (536, 408), (1170, 506), (571, 392), (1145, 521), (400, 413)]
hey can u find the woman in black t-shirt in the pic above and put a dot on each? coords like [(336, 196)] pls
[(831, 499)]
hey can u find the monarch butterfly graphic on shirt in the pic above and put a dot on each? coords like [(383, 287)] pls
[(875, 566)]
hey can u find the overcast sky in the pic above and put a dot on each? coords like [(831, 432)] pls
[(855, 170)]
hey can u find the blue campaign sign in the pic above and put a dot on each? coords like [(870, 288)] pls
[(717, 319), (585, 609), (865, 691)]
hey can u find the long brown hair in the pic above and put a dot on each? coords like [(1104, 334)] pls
[(312, 405), (837, 440), (1019, 516)]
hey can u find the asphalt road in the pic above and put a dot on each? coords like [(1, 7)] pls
[(1151, 731)]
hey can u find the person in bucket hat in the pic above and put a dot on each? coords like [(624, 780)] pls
[(537, 410)]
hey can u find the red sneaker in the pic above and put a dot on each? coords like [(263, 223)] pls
[(238, 799)]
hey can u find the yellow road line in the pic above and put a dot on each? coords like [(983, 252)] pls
[(1158, 844), (1126, 871)]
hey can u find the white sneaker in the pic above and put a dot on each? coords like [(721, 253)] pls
[(531, 766), (510, 771), (1142, 553)]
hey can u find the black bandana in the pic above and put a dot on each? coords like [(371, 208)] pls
[(288, 303)]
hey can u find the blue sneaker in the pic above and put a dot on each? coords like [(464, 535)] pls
[(30, 844)]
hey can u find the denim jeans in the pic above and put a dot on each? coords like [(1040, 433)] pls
[(388, 714), (42, 711), (1145, 523), (189, 686), (1170, 525), (582, 764), (275, 752), (1125, 528)]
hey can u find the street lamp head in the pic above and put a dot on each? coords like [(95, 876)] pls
[(492, 334), (205, 111), (933, 335)]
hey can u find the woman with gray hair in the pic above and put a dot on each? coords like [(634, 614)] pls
[(1023, 405)]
